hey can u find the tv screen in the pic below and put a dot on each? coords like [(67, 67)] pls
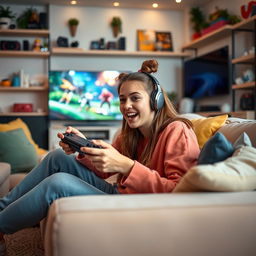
[(207, 75), (83, 95)]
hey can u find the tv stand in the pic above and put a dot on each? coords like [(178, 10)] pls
[(91, 130)]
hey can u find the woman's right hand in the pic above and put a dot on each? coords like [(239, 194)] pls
[(68, 150)]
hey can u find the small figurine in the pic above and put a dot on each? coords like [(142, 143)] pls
[(37, 45)]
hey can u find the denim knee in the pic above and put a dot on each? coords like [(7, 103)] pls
[(57, 185)]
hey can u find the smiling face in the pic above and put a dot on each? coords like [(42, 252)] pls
[(135, 106)]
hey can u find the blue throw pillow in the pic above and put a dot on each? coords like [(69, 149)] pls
[(216, 149)]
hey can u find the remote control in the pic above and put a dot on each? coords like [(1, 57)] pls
[(76, 142)]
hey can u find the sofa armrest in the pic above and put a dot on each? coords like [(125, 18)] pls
[(5, 171), (153, 224)]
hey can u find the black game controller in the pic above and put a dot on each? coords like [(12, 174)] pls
[(76, 142)]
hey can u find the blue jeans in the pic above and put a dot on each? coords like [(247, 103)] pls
[(58, 175)]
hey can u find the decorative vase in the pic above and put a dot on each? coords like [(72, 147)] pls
[(115, 30), (72, 30), (5, 22)]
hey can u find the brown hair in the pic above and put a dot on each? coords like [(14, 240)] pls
[(130, 137)]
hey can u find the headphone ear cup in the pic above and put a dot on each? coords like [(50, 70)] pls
[(157, 99), (153, 100)]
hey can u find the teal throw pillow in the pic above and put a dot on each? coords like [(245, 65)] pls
[(16, 150), (242, 140), (216, 149)]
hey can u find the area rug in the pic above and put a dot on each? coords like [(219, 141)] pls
[(26, 242)]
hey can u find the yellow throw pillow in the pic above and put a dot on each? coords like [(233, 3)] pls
[(205, 128), (18, 123)]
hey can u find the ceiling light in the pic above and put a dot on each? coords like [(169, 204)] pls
[(154, 5), (73, 2), (116, 4), (178, 1)]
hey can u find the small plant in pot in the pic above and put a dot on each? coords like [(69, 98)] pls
[(28, 19), (116, 24), (6, 16), (73, 23), (197, 18)]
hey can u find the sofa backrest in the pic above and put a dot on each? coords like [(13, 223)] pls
[(237, 126)]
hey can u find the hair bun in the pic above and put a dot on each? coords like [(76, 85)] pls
[(149, 66), (121, 76)]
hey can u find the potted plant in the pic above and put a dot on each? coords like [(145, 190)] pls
[(116, 24), (6, 16), (198, 20), (73, 23), (28, 19)]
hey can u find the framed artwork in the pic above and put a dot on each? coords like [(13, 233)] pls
[(150, 40), (164, 41), (146, 40)]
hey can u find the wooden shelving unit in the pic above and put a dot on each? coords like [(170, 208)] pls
[(247, 26), (244, 59), (80, 52), (210, 37), (23, 54), (226, 31), (248, 85), (25, 32), (22, 89), (24, 114)]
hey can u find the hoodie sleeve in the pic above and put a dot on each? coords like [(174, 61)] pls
[(176, 151)]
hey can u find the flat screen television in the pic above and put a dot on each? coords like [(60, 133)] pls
[(83, 95), (207, 75)]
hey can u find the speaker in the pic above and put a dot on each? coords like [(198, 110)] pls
[(25, 45), (156, 97), (10, 45), (121, 43), (62, 41), (43, 24)]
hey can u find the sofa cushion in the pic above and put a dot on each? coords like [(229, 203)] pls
[(18, 123), (236, 126), (216, 149), (205, 128), (236, 173), (242, 140), (16, 150)]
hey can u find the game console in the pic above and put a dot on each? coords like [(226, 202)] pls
[(76, 142)]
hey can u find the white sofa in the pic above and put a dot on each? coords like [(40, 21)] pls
[(178, 224)]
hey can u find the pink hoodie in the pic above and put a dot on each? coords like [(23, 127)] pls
[(175, 153)]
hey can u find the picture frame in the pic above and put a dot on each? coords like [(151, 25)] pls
[(95, 45), (151, 40), (146, 40), (163, 41)]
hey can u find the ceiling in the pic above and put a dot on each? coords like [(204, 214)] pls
[(142, 4)]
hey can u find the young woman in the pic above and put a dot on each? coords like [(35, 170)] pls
[(154, 149)]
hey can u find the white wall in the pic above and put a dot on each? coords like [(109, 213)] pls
[(95, 24)]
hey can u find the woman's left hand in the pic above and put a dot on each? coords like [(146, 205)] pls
[(108, 159)]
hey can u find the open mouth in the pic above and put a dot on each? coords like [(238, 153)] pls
[(131, 116)]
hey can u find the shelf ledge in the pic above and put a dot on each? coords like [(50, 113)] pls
[(81, 52), (24, 114)]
